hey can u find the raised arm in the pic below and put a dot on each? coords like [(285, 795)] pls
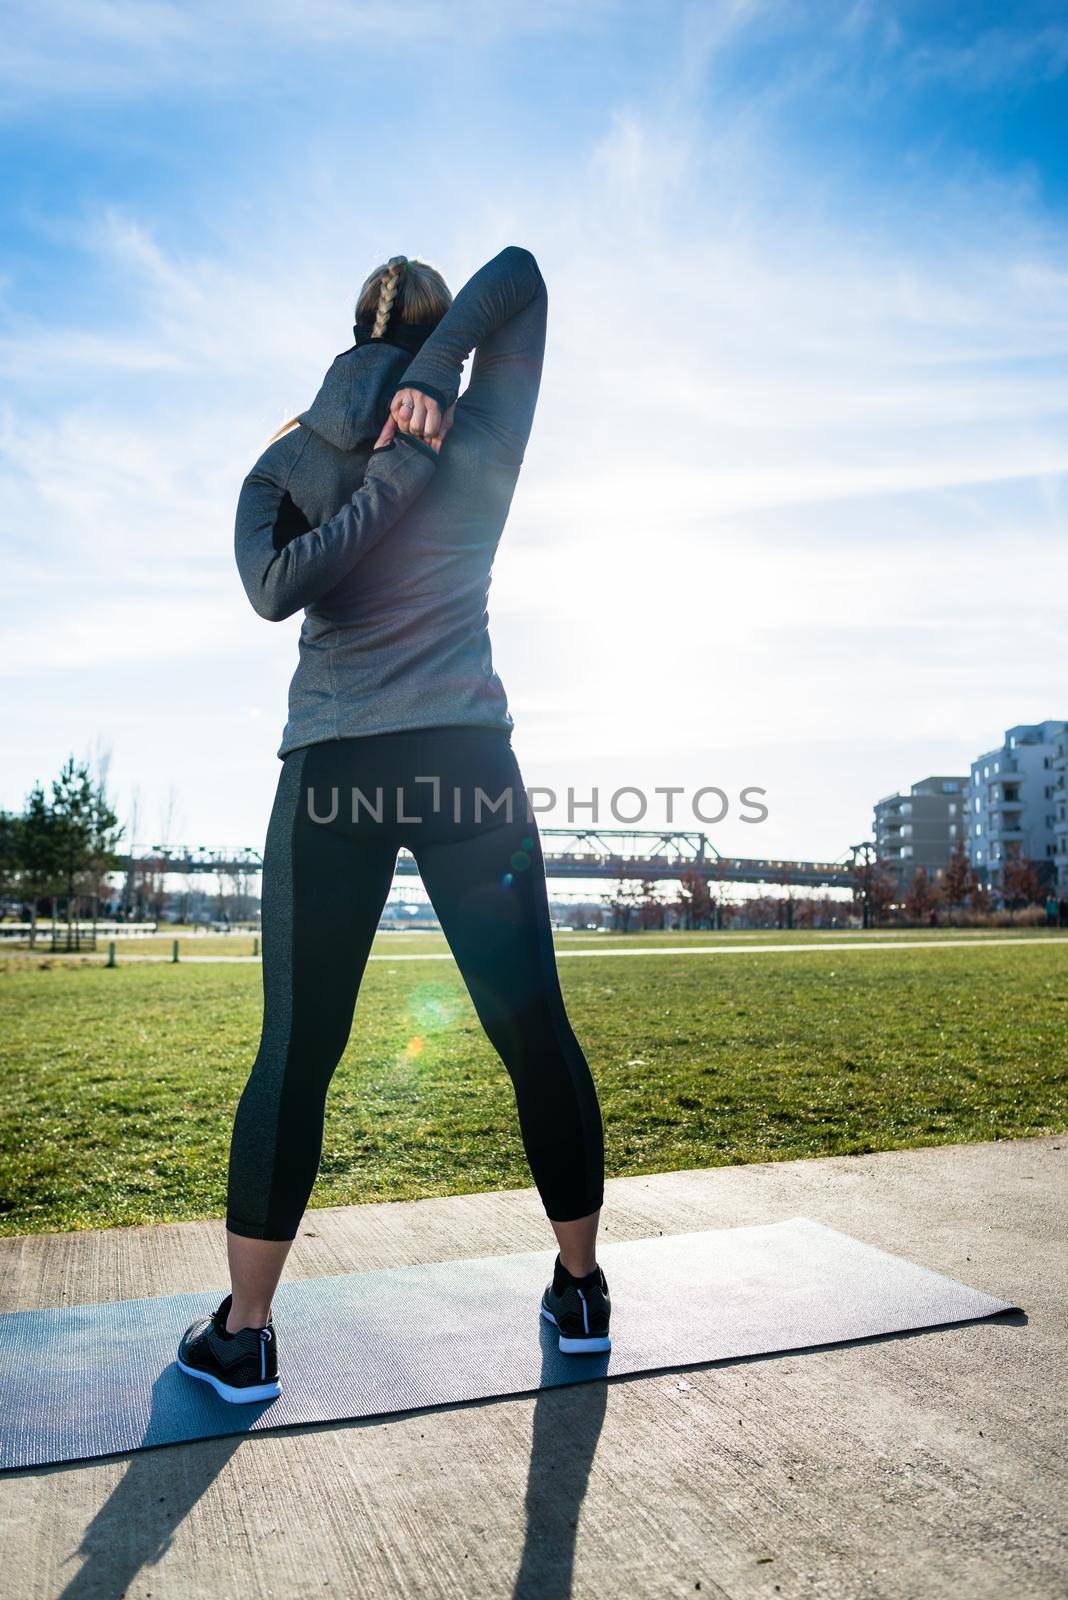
[(282, 572), (500, 313)]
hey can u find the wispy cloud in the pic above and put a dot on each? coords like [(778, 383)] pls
[(138, 48), (992, 57)]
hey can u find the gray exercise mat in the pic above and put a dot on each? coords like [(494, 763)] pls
[(93, 1380)]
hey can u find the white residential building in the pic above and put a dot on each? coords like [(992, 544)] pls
[(1017, 804)]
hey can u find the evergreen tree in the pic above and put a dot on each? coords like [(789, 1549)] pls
[(9, 853), (38, 854), (85, 830), (71, 820)]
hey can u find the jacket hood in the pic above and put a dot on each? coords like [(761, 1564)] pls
[(353, 402)]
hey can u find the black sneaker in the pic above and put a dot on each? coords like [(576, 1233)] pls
[(241, 1366), (580, 1308)]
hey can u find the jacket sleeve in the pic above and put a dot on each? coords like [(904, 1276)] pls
[(501, 314), (281, 577)]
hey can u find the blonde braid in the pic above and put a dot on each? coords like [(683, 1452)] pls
[(388, 293)]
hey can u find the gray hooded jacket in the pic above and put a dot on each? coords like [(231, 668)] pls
[(394, 585)]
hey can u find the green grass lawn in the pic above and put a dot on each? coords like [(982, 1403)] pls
[(117, 1087)]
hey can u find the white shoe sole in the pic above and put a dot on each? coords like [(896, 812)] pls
[(236, 1397), (579, 1347)]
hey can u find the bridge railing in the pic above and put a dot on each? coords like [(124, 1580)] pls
[(573, 852)]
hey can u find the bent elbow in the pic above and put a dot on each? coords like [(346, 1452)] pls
[(265, 585), (270, 605), (520, 256)]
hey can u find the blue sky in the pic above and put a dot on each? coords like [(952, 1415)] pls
[(793, 512)]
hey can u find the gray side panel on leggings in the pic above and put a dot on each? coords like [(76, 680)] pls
[(93, 1380), (260, 1100)]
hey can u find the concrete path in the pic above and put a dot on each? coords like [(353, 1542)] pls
[(908, 1467)]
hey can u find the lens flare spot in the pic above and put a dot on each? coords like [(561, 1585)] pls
[(521, 861), (527, 844), (414, 1048), (432, 1007), (507, 881)]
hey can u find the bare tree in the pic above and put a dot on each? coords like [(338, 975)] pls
[(958, 880), (693, 900), (1019, 882), (129, 893), (874, 889), (152, 880), (807, 913), (651, 910), (106, 833), (623, 903), (923, 898), (979, 898)]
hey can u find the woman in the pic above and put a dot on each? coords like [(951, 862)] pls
[(399, 734)]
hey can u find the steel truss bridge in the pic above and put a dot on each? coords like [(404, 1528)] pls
[(615, 853)]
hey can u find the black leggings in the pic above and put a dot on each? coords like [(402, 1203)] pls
[(342, 810)]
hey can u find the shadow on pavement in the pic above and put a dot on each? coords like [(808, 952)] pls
[(135, 1525), (566, 1427)]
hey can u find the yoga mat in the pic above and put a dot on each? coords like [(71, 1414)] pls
[(93, 1380)]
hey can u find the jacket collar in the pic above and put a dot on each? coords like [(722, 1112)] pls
[(405, 335)]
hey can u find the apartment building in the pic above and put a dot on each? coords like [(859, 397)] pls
[(1017, 803), (1060, 813), (921, 828)]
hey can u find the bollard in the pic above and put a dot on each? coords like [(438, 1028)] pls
[(174, 951), (111, 962), (255, 947)]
